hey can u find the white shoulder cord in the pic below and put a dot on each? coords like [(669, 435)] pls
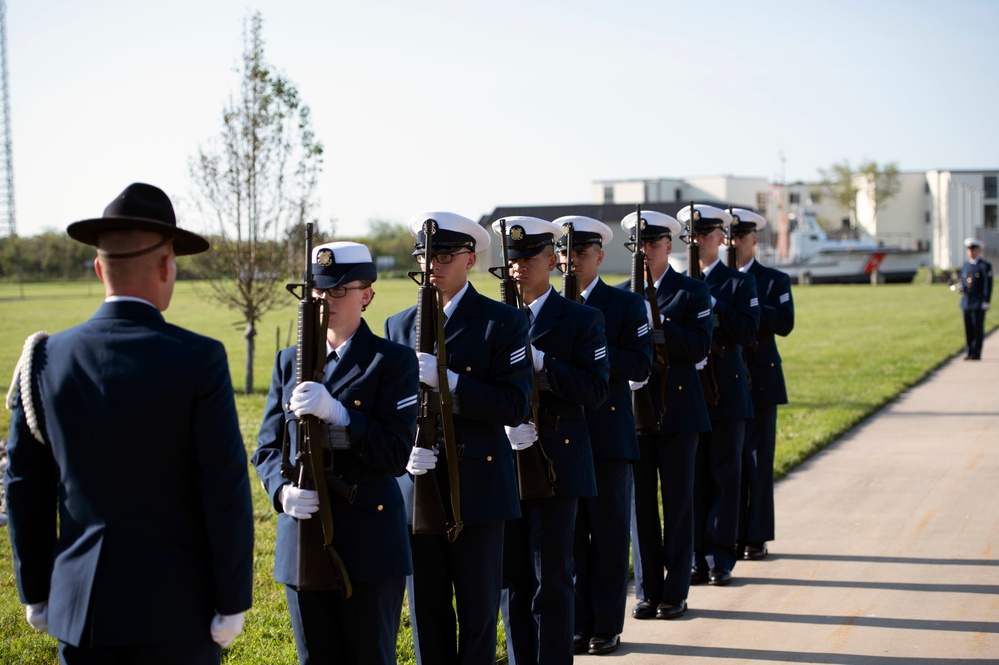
[(22, 378)]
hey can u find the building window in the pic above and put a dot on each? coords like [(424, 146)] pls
[(761, 201), (990, 217), (677, 194), (990, 187), (608, 193), (794, 198)]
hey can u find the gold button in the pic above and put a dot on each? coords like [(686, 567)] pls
[(679, 387), (468, 369), (737, 376), (771, 364), (357, 402), (668, 319), (380, 507), (567, 440), (489, 458), (613, 408)]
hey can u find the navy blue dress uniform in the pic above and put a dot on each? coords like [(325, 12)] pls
[(486, 347), (602, 534), (768, 390), (538, 565), (127, 490), (718, 466), (376, 381), (665, 550), (976, 295)]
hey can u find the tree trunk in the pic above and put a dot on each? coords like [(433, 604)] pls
[(249, 334)]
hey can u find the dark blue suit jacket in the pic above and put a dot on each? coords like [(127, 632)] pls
[(145, 462), (737, 321), (629, 351), (377, 382), (976, 284), (485, 342), (572, 338), (776, 318)]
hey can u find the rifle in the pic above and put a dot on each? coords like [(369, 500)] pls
[(428, 505), (319, 565), (570, 283), (647, 418), (730, 258), (535, 471), (709, 385)]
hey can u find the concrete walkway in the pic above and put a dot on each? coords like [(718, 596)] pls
[(887, 547)]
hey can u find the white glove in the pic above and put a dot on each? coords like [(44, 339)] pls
[(702, 364), (299, 503), (429, 374), (226, 628), (521, 436), (985, 305), (635, 385), (421, 460), (312, 399), (38, 616), (539, 359)]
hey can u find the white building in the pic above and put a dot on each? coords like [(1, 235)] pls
[(933, 209)]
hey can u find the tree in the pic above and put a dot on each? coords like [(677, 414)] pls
[(839, 183), (880, 183), (256, 179)]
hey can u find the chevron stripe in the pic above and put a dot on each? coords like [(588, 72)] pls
[(600, 353), (518, 355), (706, 312), (754, 302), (404, 403), (643, 330), (784, 297)]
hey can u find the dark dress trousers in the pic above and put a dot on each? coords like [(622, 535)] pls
[(376, 381), (538, 562), (602, 522), (486, 343), (664, 551), (718, 466), (976, 294), (756, 520), (144, 461)]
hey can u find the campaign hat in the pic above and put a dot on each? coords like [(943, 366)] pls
[(139, 207)]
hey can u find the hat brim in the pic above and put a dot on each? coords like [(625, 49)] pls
[(185, 243), (354, 273)]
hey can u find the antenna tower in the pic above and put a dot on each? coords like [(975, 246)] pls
[(8, 226)]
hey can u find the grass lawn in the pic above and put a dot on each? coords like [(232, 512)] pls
[(854, 348)]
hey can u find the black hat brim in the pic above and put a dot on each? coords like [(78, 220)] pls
[(185, 243)]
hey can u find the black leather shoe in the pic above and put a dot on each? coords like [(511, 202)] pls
[(645, 609), (754, 552), (719, 576), (671, 610), (580, 643), (698, 576), (601, 644)]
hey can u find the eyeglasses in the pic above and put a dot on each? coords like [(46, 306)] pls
[(442, 258), (336, 291)]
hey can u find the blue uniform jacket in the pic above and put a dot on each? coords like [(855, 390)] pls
[(776, 318), (976, 284), (486, 345), (376, 381), (629, 352), (146, 466), (737, 321), (572, 338)]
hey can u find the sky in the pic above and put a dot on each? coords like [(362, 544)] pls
[(469, 105)]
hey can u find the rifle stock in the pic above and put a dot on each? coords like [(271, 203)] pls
[(648, 418), (319, 566), (535, 472), (429, 515)]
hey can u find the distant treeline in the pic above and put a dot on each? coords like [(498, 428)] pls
[(56, 256)]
